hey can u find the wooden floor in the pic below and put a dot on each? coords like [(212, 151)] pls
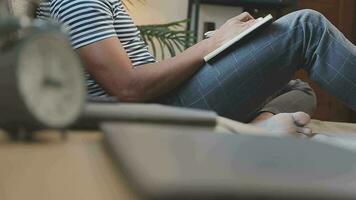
[(51, 169)]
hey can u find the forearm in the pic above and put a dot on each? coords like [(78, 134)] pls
[(155, 79), (110, 65)]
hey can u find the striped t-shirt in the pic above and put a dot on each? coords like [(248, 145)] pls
[(90, 21)]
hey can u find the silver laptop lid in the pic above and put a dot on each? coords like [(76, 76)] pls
[(165, 161)]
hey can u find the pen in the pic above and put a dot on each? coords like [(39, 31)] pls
[(209, 34)]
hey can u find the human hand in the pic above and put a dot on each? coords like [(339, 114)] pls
[(231, 28)]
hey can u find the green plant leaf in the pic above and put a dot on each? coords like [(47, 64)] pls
[(169, 36)]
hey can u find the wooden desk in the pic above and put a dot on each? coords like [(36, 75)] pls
[(81, 168), (52, 169)]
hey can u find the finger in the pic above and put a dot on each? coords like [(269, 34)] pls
[(250, 22), (244, 17)]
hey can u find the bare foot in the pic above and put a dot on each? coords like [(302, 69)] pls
[(262, 117), (286, 124)]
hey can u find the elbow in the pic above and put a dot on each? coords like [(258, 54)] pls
[(131, 92), (130, 96)]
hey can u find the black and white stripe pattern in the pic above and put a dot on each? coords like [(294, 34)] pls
[(90, 21)]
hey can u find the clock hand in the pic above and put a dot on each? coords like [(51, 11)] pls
[(51, 82)]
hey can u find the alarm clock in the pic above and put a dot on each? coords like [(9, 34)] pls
[(4, 9), (19, 8), (41, 82), (16, 14)]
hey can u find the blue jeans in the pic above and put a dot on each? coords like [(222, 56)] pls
[(238, 83)]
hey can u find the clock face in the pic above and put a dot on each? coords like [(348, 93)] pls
[(50, 80)]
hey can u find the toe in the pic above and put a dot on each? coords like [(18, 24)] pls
[(301, 118), (305, 131)]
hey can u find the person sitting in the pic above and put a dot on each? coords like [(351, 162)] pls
[(236, 85)]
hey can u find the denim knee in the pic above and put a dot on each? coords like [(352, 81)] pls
[(310, 16), (303, 19)]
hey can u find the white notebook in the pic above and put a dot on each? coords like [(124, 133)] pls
[(260, 21)]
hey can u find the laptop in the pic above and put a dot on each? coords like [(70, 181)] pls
[(178, 162)]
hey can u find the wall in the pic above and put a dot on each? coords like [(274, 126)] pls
[(163, 11), (217, 14), (158, 11)]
